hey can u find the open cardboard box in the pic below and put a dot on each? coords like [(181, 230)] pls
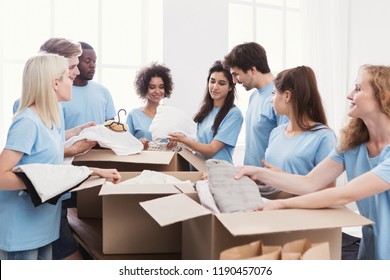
[(205, 235), (146, 160), (89, 204), (128, 229)]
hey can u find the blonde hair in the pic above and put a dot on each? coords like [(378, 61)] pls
[(37, 86), (356, 132)]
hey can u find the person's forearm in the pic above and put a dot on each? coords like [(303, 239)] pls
[(206, 149), (322, 199), (10, 182), (291, 183)]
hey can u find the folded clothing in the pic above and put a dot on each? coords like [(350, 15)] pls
[(230, 194), (154, 177), (205, 196), (169, 119), (47, 182), (121, 143)]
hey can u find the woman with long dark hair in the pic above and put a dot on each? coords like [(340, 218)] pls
[(219, 120), (297, 146)]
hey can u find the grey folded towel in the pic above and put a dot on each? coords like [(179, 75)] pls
[(231, 195)]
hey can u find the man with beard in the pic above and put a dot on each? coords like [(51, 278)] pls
[(91, 101), (249, 67)]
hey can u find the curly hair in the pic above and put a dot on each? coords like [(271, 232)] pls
[(144, 76), (356, 132)]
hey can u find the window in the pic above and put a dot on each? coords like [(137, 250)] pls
[(274, 24), (98, 23)]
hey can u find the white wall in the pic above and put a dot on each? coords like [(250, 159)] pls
[(195, 35), (369, 40)]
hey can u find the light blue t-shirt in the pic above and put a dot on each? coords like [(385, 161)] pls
[(260, 121), (375, 242), (301, 153), (22, 225), (139, 124), (227, 133), (92, 102)]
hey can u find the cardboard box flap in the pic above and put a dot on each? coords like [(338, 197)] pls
[(177, 208), (112, 189), (92, 181), (186, 187), (144, 157), (262, 222), (196, 161)]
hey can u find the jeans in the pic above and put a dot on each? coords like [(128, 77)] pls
[(42, 253)]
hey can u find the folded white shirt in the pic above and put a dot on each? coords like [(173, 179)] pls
[(169, 119), (154, 177), (205, 196), (50, 180)]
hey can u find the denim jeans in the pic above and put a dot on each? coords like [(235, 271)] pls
[(42, 253)]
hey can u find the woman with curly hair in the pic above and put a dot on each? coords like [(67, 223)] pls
[(363, 152), (153, 83)]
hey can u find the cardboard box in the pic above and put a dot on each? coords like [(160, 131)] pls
[(146, 160), (128, 229), (89, 204), (205, 235)]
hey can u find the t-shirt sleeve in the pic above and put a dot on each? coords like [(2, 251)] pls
[(130, 123), (339, 157), (383, 170), (22, 136), (110, 107), (326, 146), (230, 127)]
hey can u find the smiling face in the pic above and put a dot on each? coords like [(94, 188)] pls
[(156, 90), (362, 97), (243, 78), (218, 88)]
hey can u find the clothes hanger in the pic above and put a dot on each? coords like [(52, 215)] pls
[(117, 125)]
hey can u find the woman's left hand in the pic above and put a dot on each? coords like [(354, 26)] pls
[(110, 174)]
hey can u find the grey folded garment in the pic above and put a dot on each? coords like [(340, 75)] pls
[(231, 195), (267, 190)]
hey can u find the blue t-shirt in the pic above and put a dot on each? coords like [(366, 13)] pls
[(260, 121), (301, 153), (375, 242), (139, 124), (22, 225), (92, 102), (227, 133)]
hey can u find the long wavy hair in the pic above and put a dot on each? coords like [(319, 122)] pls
[(305, 98), (356, 132), (208, 102)]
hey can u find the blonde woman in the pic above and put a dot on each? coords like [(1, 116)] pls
[(35, 136)]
